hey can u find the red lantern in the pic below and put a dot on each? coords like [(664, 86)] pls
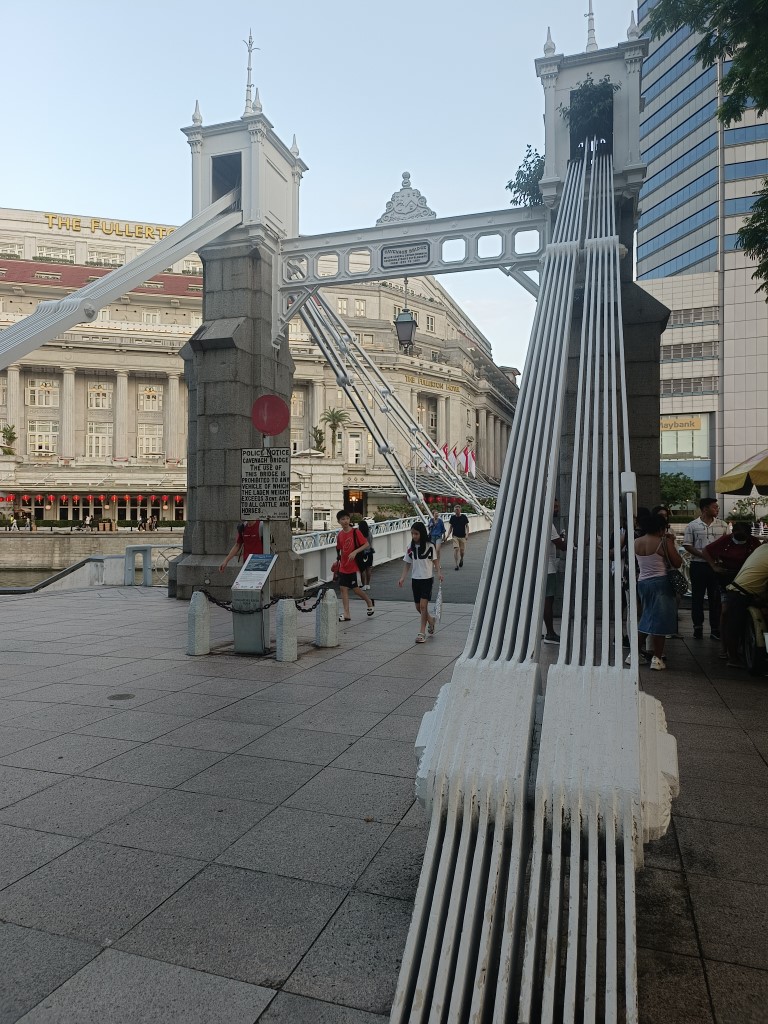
[(89, 497), (152, 498), (64, 499), (51, 497), (127, 497), (11, 497), (101, 497), (179, 499), (38, 498), (140, 498), (165, 498), (76, 498), (25, 498)]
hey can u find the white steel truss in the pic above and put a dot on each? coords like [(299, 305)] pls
[(368, 389), (536, 830)]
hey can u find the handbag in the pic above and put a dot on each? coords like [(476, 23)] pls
[(675, 578)]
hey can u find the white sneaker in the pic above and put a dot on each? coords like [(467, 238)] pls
[(657, 664)]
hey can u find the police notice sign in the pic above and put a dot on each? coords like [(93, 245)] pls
[(265, 483)]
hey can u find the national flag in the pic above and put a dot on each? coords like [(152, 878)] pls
[(472, 464), (444, 450), (465, 459), (453, 459)]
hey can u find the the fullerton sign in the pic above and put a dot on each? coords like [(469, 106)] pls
[(94, 225), (438, 385)]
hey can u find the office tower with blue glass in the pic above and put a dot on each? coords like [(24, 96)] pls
[(701, 181)]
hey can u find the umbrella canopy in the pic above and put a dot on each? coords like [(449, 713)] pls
[(753, 472), (313, 453)]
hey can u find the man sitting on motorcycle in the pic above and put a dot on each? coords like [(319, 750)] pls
[(748, 588)]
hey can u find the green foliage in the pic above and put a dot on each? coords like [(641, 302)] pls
[(591, 109), (9, 436), (525, 184), (733, 30), (318, 439), (334, 419), (678, 490), (746, 508)]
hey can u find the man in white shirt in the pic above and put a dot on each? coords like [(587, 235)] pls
[(704, 580)]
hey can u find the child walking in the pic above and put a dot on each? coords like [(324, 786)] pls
[(422, 559)]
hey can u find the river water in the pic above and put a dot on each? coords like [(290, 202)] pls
[(23, 577)]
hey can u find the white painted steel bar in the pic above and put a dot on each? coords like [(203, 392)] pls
[(52, 319)]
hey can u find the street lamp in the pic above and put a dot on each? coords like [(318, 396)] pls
[(405, 324)]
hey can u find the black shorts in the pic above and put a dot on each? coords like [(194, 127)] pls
[(422, 589), (348, 579), (365, 560)]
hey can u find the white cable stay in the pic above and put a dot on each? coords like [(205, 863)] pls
[(52, 319), (368, 389), (539, 803)]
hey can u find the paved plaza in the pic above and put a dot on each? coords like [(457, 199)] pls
[(224, 840)]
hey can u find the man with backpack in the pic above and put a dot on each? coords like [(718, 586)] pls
[(349, 544)]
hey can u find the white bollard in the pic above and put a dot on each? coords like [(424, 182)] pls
[(199, 625), (286, 629), (327, 621)]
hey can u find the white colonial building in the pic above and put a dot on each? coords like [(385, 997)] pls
[(100, 414)]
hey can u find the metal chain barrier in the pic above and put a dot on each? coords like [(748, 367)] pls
[(319, 594)]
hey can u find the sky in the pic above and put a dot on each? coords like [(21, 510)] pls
[(95, 93)]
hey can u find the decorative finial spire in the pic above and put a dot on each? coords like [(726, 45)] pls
[(249, 86), (591, 40), (294, 147), (257, 108), (633, 32), (197, 117), (549, 46)]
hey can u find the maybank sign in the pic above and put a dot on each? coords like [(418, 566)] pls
[(94, 226), (680, 423)]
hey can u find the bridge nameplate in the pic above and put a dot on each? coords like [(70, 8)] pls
[(414, 254)]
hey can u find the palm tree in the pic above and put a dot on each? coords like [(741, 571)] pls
[(334, 419)]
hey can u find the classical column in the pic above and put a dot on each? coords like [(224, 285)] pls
[(491, 455), (171, 419), (442, 419), (318, 404), (499, 449), (120, 429), (67, 428), (15, 405), (448, 426), (481, 448)]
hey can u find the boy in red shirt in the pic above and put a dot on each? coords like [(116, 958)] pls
[(349, 543)]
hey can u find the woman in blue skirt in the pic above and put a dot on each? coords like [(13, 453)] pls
[(656, 553)]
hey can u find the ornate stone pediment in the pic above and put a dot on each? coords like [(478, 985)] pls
[(406, 205)]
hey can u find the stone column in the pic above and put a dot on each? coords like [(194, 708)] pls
[(15, 406), (120, 428), (67, 427), (442, 419), (171, 419), (448, 425), (318, 405), (499, 447), (228, 363), (481, 448)]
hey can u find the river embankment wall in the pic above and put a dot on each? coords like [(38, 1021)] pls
[(45, 550)]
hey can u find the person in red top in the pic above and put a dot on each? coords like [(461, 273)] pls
[(249, 542), (349, 543), (726, 556)]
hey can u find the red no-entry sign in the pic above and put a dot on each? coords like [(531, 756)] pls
[(270, 415)]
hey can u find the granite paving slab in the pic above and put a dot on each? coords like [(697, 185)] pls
[(731, 802), (260, 711), (388, 756), (189, 705), (23, 851), (667, 920), (78, 806), (316, 847), (156, 764), (348, 721), (222, 686), (395, 869), (122, 989), (124, 696), (135, 725), (185, 824), (14, 738), (95, 892), (305, 745), (11, 710), (266, 780), (59, 718), (732, 920), (356, 959), (725, 851), (356, 795), (397, 727), (289, 1009), (215, 734), (673, 989), (17, 783), (68, 753), (236, 923), (34, 964), (739, 994), (723, 766)]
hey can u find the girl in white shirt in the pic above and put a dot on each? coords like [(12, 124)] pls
[(422, 559)]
